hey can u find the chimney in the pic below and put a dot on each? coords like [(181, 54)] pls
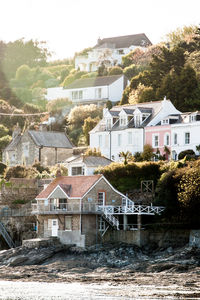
[(99, 41)]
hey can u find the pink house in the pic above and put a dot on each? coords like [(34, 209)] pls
[(159, 137)]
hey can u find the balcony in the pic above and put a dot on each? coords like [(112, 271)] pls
[(89, 208)]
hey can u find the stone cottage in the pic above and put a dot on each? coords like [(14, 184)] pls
[(47, 147)]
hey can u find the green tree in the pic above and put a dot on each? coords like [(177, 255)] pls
[(116, 70), (20, 52), (88, 125)]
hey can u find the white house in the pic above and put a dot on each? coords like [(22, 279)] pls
[(85, 165), (110, 51), (97, 90), (185, 133), (56, 93), (122, 127)]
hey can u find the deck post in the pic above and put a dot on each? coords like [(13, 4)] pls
[(139, 222), (125, 221)]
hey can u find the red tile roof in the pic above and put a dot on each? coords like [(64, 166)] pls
[(79, 185)]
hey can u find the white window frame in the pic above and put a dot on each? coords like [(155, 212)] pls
[(130, 138), (119, 139), (187, 138), (100, 140), (123, 120), (70, 225), (175, 139), (108, 124), (167, 139), (98, 93), (155, 145)]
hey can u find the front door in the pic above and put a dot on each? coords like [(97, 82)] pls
[(54, 227)]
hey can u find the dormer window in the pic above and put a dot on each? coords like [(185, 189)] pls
[(192, 118), (165, 121), (144, 117), (108, 124), (123, 120), (137, 120)]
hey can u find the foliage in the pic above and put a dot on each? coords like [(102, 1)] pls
[(84, 52), (40, 168), (92, 152), (147, 153), (84, 111), (20, 172), (20, 52), (184, 34), (72, 77), (88, 125), (2, 168), (62, 169), (116, 70), (127, 156), (58, 104), (187, 153), (132, 70), (4, 141), (90, 75), (31, 108), (128, 177)]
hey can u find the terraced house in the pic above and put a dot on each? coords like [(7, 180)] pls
[(123, 127)]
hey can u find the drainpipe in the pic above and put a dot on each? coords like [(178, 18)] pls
[(56, 155), (40, 154), (80, 216), (110, 144)]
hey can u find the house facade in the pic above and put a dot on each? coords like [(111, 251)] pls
[(122, 127), (85, 165), (46, 147), (178, 133), (81, 209), (97, 90), (110, 51)]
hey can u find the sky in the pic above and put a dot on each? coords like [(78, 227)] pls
[(69, 26)]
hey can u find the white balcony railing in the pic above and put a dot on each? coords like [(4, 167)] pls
[(93, 208)]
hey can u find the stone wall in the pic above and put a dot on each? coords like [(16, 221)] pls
[(174, 238), (110, 194)]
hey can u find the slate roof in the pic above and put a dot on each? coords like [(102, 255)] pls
[(92, 82), (152, 107), (50, 139), (79, 185), (124, 41), (13, 144), (91, 161)]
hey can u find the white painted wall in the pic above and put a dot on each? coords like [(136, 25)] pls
[(56, 93), (180, 129), (90, 63), (135, 146), (167, 109)]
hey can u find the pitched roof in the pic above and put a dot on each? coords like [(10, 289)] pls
[(13, 144), (91, 161), (91, 82), (50, 139), (124, 41), (74, 186)]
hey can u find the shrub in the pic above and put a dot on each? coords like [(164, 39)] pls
[(188, 153), (20, 172), (2, 168), (40, 168), (128, 177)]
